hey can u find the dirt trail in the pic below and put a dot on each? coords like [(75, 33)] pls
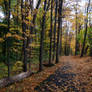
[(68, 78), (72, 74)]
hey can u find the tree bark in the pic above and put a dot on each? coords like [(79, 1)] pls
[(8, 54), (60, 50), (76, 42), (42, 37), (86, 29), (54, 46), (24, 39), (51, 27), (4, 45), (58, 33)]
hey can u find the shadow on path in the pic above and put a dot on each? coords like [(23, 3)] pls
[(60, 80)]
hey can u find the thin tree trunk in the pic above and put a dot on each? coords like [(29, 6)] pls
[(54, 46), (4, 45), (58, 33), (42, 37), (51, 27), (66, 45), (86, 29), (24, 39), (8, 54), (29, 39), (60, 50), (76, 42), (84, 42)]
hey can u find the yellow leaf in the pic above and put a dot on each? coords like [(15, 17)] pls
[(1, 39), (8, 35)]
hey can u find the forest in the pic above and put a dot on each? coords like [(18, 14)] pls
[(44, 38)]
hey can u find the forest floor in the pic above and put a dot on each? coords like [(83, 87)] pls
[(71, 74)]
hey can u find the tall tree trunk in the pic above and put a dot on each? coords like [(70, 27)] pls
[(54, 46), (76, 42), (51, 27), (86, 29), (30, 39), (24, 39), (60, 50), (8, 54), (58, 33), (42, 37), (4, 45), (66, 44), (17, 12)]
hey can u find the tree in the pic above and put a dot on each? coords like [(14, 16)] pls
[(86, 29), (76, 43), (54, 46), (8, 31), (42, 37), (51, 28), (24, 38), (58, 33)]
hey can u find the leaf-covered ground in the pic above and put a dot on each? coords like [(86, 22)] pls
[(72, 74)]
